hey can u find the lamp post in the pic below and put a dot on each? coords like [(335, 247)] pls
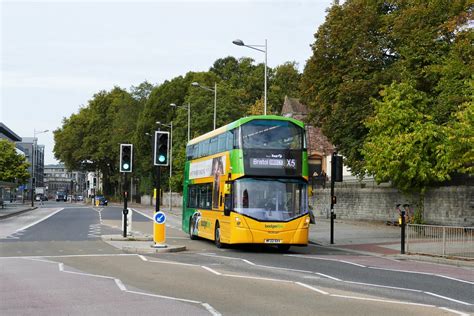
[(33, 162), (171, 156), (196, 84), (189, 115), (239, 42)]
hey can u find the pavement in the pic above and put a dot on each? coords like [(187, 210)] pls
[(13, 209), (363, 237)]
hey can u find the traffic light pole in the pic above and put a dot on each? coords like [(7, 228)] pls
[(333, 197), (125, 208), (158, 188)]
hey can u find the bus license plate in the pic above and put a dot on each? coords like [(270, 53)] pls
[(273, 241)]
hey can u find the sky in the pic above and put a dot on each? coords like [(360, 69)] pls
[(55, 55)]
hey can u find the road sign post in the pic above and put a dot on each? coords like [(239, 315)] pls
[(159, 230)]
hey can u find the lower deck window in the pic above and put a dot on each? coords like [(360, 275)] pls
[(200, 196)]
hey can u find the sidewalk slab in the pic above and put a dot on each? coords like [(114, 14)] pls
[(9, 210)]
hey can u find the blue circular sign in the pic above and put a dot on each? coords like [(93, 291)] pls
[(160, 218)]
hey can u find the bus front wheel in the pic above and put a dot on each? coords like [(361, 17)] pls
[(191, 225), (217, 236)]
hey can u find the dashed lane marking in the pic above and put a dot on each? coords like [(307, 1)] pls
[(336, 279), (123, 288)]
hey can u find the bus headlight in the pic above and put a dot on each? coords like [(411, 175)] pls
[(306, 222)]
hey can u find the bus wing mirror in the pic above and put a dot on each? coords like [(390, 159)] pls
[(227, 204)]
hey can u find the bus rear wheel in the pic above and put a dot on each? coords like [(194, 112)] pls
[(217, 236), (191, 225)]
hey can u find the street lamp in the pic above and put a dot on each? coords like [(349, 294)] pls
[(189, 115), (196, 84), (33, 150), (239, 42), (171, 155)]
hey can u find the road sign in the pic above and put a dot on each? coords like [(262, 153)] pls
[(160, 218)]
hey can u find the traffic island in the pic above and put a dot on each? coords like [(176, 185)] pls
[(139, 244)]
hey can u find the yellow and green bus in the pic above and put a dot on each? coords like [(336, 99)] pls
[(246, 183)]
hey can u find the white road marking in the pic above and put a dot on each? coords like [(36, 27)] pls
[(254, 264), (256, 278), (336, 279), (175, 263), (20, 231), (448, 298), (328, 276), (327, 259), (211, 309), (142, 257), (73, 256), (454, 311), (143, 214), (312, 288), (384, 286), (454, 279), (211, 270), (380, 300), (165, 297), (385, 269), (248, 262), (120, 285), (425, 273), (61, 267)]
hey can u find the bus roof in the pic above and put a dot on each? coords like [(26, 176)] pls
[(242, 121)]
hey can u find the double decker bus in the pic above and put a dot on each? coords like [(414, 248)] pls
[(246, 183)]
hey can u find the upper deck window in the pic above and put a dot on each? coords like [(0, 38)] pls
[(272, 134)]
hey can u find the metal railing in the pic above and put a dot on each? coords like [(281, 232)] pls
[(445, 241)]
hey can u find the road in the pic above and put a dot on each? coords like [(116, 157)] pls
[(54, 262)]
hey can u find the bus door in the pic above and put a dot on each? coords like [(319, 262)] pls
[(224, 209)]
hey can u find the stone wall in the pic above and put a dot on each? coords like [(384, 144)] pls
[(452, 205), (176, 199)]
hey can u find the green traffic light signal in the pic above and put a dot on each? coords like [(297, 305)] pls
[(126, 157), (161, 149)]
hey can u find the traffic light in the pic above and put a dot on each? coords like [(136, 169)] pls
[(126, 157), (336, 168), (161, 156)]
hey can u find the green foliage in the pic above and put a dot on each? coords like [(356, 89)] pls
[(13, 166), (89, 139), (390, 83), (404, 143)]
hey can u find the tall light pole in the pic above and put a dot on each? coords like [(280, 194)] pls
[(171, 156), (196, 84), (189, 116), (33, 150), (239, 42)]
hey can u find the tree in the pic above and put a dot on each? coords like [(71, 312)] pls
[(404, 142), (13, 166), (285, 82), (351, 59), (89, 139), (365, 46)]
